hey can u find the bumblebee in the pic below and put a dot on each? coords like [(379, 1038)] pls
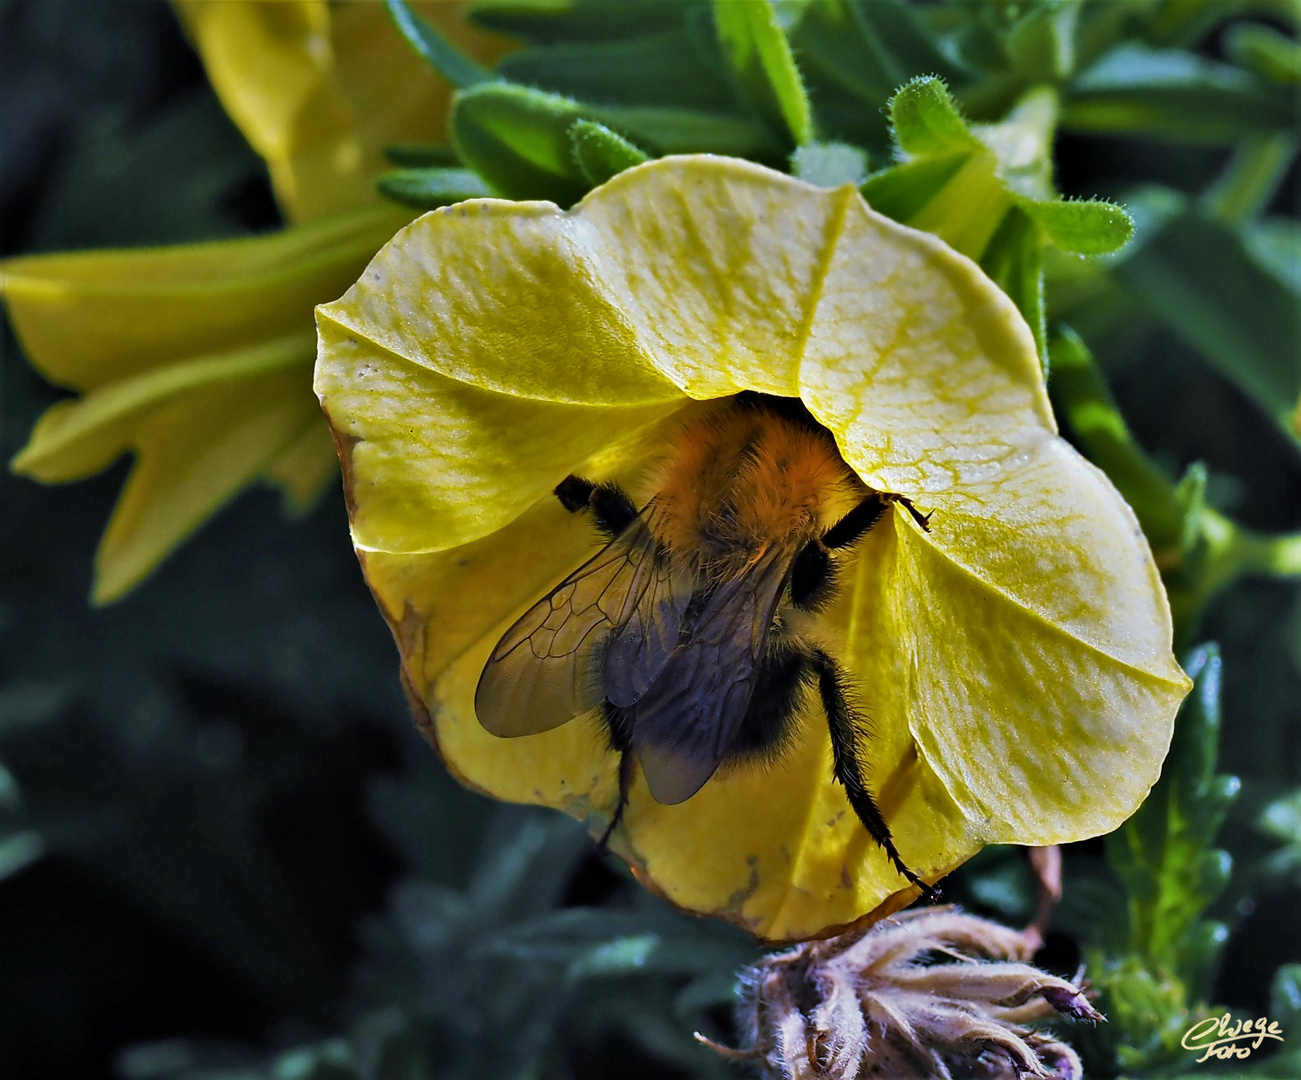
[(684, 631)]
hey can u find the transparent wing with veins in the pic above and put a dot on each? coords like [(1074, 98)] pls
[(605, 631), (686, 722)]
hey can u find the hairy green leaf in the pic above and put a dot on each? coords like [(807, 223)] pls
[(926, 119), (421, 156), (1082, 227), (601, 153), (1014, 259), (762, 65), (669, 68)]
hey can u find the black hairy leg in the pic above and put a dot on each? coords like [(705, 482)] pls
[(848, 764), (618, 725), (813, 572), (612, 508)]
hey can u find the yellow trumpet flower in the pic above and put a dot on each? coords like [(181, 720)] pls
[(197, 359), (1012, 665)]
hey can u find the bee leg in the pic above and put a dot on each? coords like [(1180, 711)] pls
[(625, 783), (924, 520), (618, 725), (856, 524), (860, 520), (849, 767), (612, 508)]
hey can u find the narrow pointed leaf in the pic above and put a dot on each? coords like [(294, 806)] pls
[(444, 57), (761, 62), (1265, 51), (1174, 95), (427, 189), (1081, 398), (667, 68), (1198, 276), (517, 139)]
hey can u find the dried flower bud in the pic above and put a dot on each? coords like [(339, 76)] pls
[(929, 993)]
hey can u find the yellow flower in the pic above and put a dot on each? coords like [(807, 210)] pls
[(197, 359), (320, 89), (1014, 662)]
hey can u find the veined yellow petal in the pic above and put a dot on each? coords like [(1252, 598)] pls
[(1013, 665), (89, 318), (1038, 644), (924, 371), (425, 478), (192, 454), (76, 438), (547, 326)]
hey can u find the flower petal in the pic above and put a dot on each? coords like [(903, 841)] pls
[(193, 454), (90, 318), (76, 438), (423, 476), (1026, 644), (305, 467), (463, 380)]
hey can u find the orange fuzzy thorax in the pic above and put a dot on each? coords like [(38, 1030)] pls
[(744, 480)]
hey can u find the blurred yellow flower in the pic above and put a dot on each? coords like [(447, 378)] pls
[(197, 359), (1014, 663), (320, 89)]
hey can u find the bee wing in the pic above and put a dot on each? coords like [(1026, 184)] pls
[(548, 667), (687, 721)]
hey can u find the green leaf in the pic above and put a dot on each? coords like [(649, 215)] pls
[(421, 155), (601, 153), (926, 119), (900, 191), (602, 942), (1163, 854), (1265, 51), (427, 189), (672, 68), (1174, 95), (578, 20), (1014, 259), (1199, 277), (1081, 398), (830, 164), (1082, 227), (517, 139), (1041, 45), (761, 62), (439, 53)]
